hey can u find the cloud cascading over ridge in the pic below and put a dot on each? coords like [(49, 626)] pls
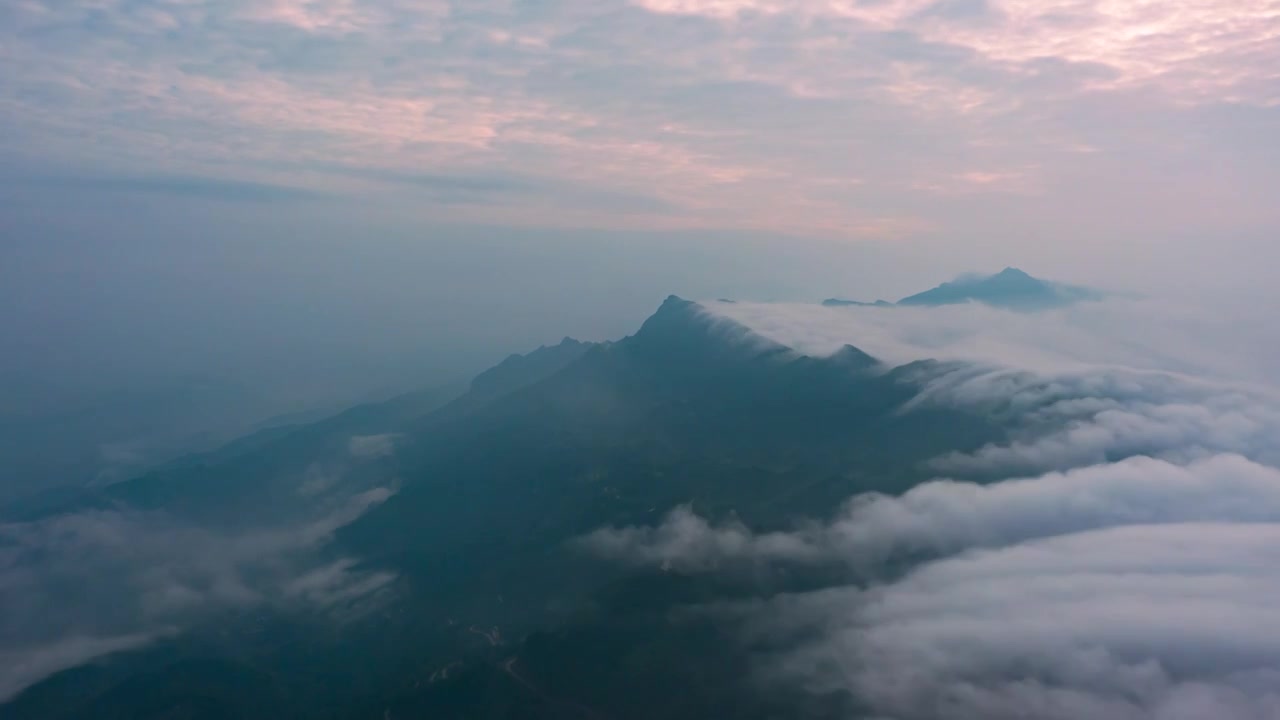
[(1118, 562), (1157, 335), (1078, 386)]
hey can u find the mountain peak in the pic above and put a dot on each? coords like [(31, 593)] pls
[(674, 312), (1010, 288), (1013, 272), (854, 357), (676, 315), (682, 329), (676, 303)]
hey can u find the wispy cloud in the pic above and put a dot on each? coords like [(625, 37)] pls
[(1200, 50), (315, 16), (372, 446), (76, 586), (26, 667), (822, 118)]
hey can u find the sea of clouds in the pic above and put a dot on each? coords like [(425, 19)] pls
[(1116, 557)]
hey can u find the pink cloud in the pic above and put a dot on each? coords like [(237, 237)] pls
[(829, 126), (1199, 50), (341, 16), (313, 15)]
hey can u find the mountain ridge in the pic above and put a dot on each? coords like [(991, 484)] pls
[(691, 409)]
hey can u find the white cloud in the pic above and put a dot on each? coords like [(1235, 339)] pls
[(1137, 622), (1067, 420), (688, 543), (943, 517), (25, 667), (1139, 590), (1079, 386), (946, 516), (1135, 582), (1158, 334)]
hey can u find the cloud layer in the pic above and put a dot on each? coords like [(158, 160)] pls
[(1158, 622), (1163, 334), (837, 118), (1080, 386), (1119, 560), (1139, 590)]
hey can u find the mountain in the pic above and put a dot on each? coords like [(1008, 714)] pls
[(517, 370), (1010, 288), (491, 612)]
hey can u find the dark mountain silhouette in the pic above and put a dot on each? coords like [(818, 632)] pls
[(494, 485), (516, 371)]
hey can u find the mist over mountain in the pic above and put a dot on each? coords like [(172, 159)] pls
[(741, 509), (101, 410)]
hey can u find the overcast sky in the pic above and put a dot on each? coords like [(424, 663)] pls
[(1061, 133)]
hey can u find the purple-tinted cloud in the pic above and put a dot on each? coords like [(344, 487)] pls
[(830, 118)]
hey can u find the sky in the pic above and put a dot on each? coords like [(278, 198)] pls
[(1054, 131)]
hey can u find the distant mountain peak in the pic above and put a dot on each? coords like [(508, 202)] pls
[(1011, 288), (839, 302)]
